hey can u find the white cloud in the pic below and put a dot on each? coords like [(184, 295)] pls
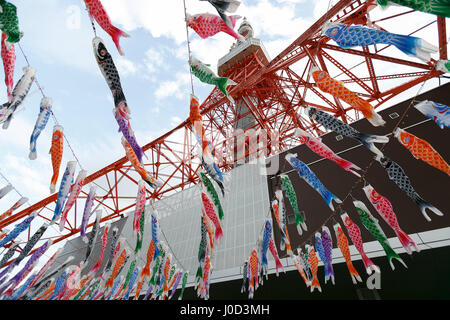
[(174, 88), (174, 121), (32, 182), (166, 89), (290, 1), (125, 67), (155, 109), (160, 58), (166, 19), (321, 7), (273, 20), (153, 60), (160, 18), (21, 130)]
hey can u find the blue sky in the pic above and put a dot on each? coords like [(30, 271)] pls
[(154, 74)]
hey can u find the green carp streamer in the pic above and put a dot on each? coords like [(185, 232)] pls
[(210, 188), (437, 7), (371, 224), (290, 193)]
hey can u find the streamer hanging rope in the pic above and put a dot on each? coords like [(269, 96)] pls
[(188, 46), (52, 113)]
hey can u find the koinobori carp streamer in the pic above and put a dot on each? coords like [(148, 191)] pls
[(350, 36), (223, 7), (9, 60), (45, 110), (19, 93), (207, 25), (355, 235), (338, 90), (332, 123), (308, 175), (399, 177), (371, 224), (292, 196), (74, 193), (317, 146), (56, 152), (9, 23), (342, 243), (440, 8), (421, 149), (206, 75), (439, 113), (384, 208), (98, 12), (64, 189)]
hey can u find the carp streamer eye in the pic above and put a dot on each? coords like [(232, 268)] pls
[(375, 194), (406, 139), (321, 75), (102, 49), (333, 31)]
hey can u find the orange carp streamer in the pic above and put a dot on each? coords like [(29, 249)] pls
[(337, 89), (422, 150), (56, 152)]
